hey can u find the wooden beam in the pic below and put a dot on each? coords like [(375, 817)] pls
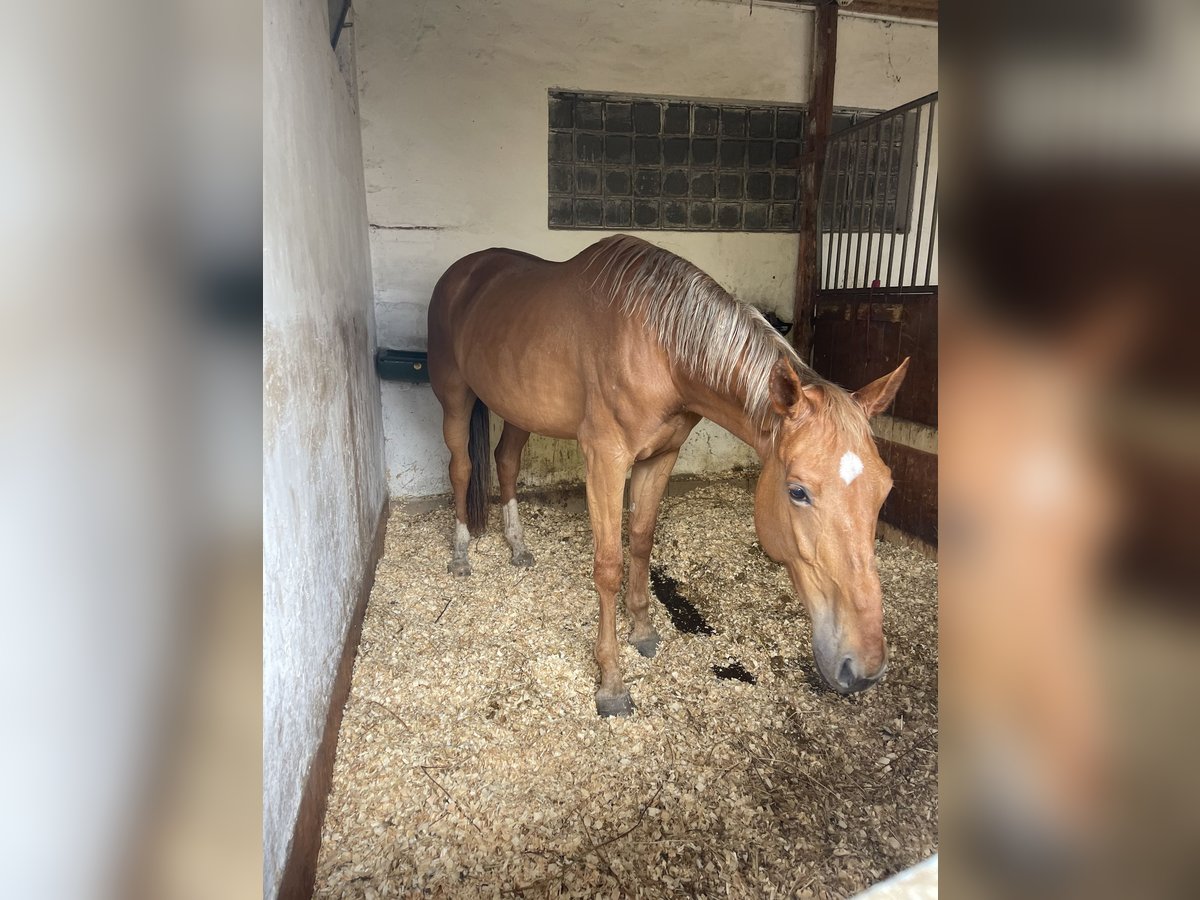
[(812, 165)]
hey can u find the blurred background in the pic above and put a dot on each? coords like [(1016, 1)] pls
[(130, 453), (1070, 461), (130, 466)]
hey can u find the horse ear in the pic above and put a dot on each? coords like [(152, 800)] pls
[(787, 394), (879, 394)]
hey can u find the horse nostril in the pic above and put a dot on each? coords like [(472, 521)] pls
[(846, 677)]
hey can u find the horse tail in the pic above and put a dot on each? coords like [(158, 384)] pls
[(480, 485)]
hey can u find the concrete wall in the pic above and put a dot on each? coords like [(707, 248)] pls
[(454, 116), (323, 477)]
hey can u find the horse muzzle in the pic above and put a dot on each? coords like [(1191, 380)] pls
[(850, 679), (844, 669)]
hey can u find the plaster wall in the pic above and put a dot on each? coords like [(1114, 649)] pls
[(454, 123), (323, 476)]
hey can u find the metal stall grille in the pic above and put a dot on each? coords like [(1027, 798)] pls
[(876, 297), (879, 203)]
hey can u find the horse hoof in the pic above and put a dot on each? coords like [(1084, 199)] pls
[(647, 646), (523, 559), (620, 705), (459, 568)]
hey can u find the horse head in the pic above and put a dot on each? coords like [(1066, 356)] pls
[(816, 506)]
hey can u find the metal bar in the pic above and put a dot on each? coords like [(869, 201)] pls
[(870, 183), (914, 290), (874, 198), (932, 233), (911, 104), (899, 171), (924, 191), (859, 243), (908, 223), (887, 189), (840, 213), (835, 157)]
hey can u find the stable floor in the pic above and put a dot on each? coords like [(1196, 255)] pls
[(471, 761)]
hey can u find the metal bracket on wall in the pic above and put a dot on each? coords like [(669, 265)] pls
[(402, 365)]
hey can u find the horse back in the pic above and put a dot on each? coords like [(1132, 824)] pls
[(530, 338)]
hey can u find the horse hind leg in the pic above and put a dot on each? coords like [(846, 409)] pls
[(508, 465), (456, 429)]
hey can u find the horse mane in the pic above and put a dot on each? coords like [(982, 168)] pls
[(711, 335)]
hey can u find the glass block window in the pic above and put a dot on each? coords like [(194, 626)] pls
[(647, 163)]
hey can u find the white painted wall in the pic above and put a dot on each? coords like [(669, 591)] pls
[(454, 110), (323, 477)]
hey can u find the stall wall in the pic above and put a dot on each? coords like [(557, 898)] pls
[(323, 476), (454, 117)]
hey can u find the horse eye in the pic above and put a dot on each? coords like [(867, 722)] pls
[(799, 495)]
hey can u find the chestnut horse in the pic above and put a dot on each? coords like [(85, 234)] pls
[(625, 348)]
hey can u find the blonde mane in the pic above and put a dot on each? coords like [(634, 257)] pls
[(708, 333)]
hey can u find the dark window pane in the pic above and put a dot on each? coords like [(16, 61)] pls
[(648, 183), (760, 153), (754, 216), (676, 119), (560, 179), (647, 118), (704, 185), (733, 122), (675, 151), (706, 120), (588, 148), (561, 112), (733, 153), (587, 180), (783, 215), (787, 153), (617, 181), (618, 117), (589, 114), (560, 147), (785, 186), (645, 214), (675, 213), (587, 212), (560, 211), (704, 152), (762, 124), (758, 185), (618, 149), (618, 213), (647, 150), (675, 184), (729, 215), (701, 215), (788, 123), (729, 185)]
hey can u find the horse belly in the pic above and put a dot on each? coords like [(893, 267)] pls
[(534, 384), (529, 412)]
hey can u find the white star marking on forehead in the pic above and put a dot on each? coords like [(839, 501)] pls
[(850, 467)]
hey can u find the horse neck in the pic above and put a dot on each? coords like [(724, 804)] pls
[(728, 408)]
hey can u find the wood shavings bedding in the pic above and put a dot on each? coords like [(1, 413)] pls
[(471, 762)]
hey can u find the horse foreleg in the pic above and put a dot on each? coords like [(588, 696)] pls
[(508, 464), (647, 485), (605, 486)]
